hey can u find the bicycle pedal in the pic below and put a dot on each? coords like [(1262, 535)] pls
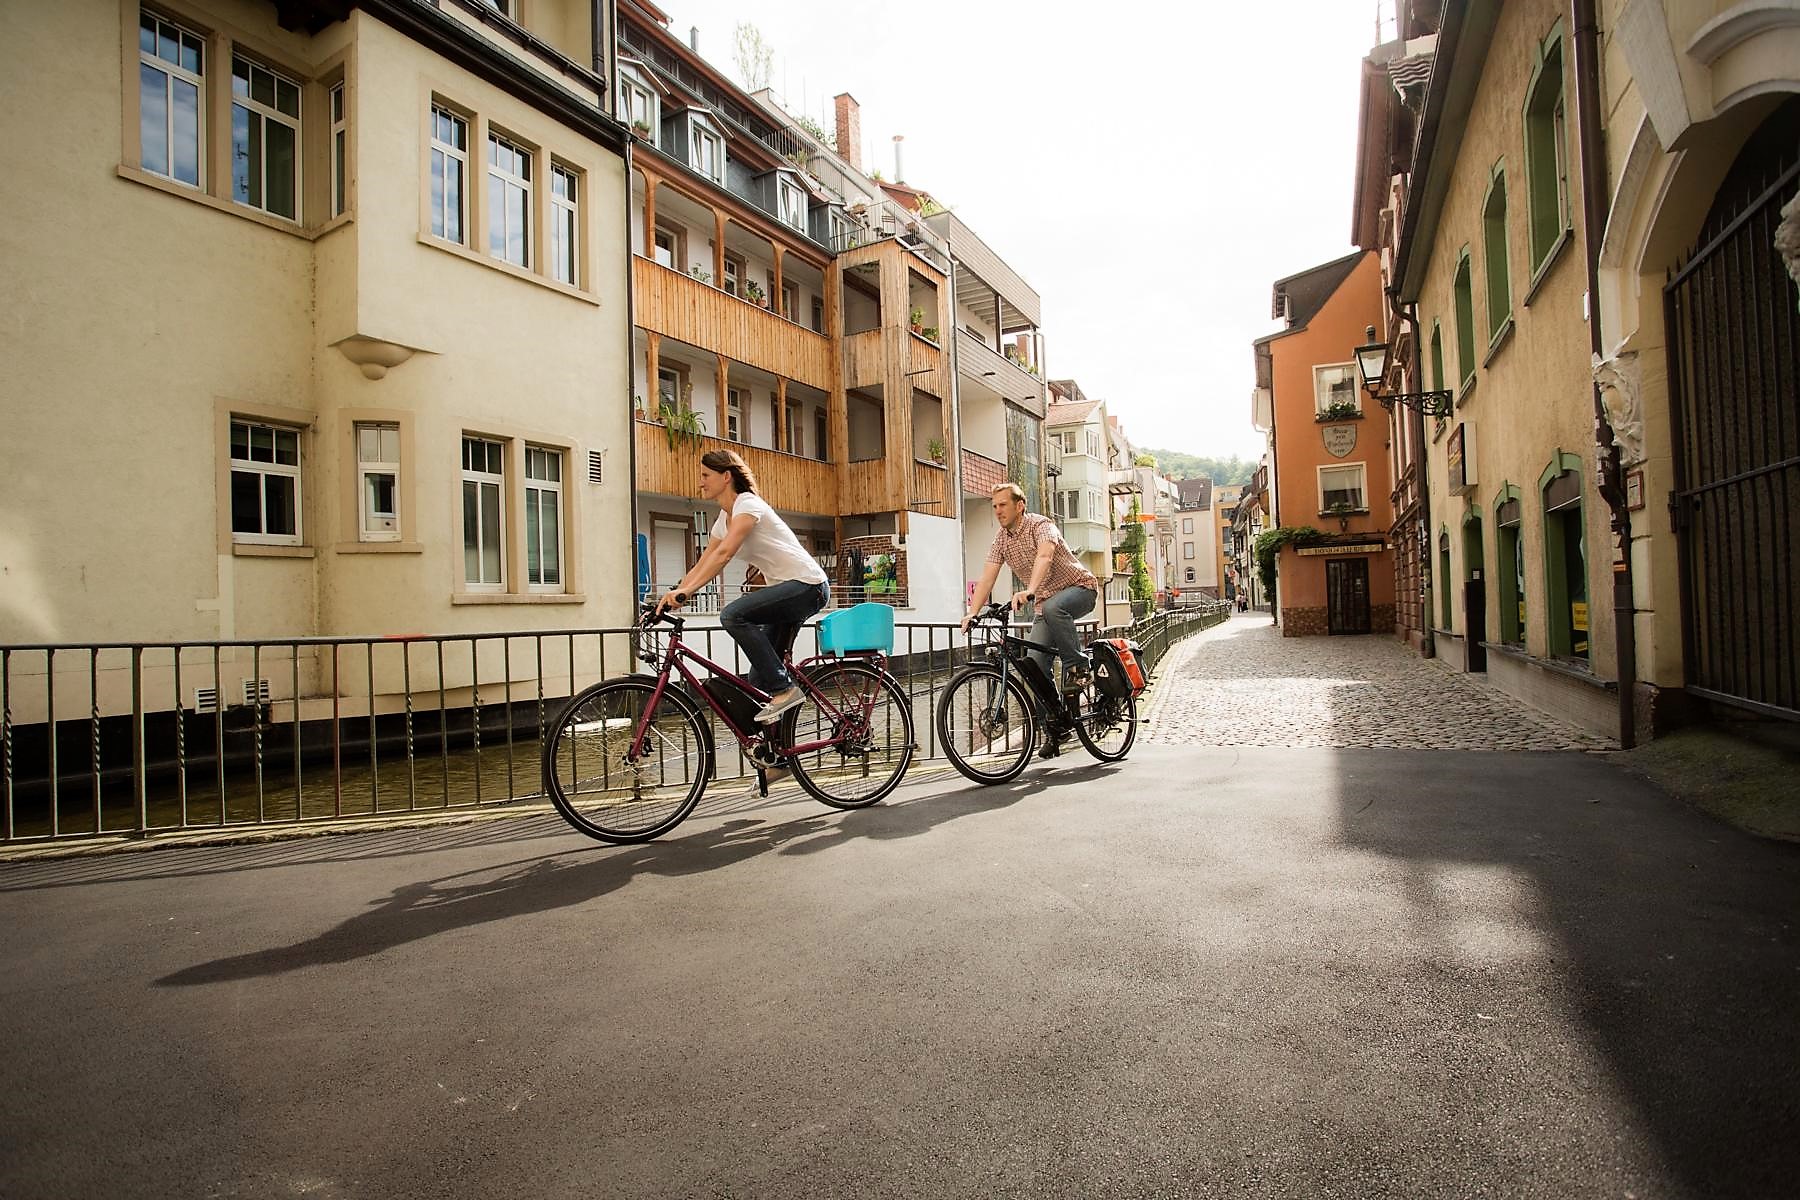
[(1050, 749)]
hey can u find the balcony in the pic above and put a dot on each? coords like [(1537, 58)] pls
[(681, 307), (786, 481), (1123, 482), (981, 362), (931, 489)]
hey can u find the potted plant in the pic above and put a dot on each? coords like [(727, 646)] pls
[(1340, 410), (702, 275), (918, 320), (637, 403), (935, 448), (682, 424), (641, 127), (930, 333), (753, 292)]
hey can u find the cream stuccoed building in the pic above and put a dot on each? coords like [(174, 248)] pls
[(318, 323)]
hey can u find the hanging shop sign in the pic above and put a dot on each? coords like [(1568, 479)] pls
[(1357, 548), (1460, 456)]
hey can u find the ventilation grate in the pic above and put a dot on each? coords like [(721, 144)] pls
[(206, 700), (256, 691), (596, 466)]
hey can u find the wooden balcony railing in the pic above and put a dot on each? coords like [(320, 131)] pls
[(931, 489), (786, 481), (683, 308)]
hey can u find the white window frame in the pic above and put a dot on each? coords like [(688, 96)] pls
[(480, 478), (543, 492), (171, 71), (790, 195), (734, 414), (374, 525), (1328, 375), (1093, 444), (796, 429), (639, 101), (1187, 524), (337, 110), (503, 7), (509, 179), (700, 133), (1362, 484), (264, 470), (565, 224), (673, 250), (1187, 549), (257, 109), (443, 153)]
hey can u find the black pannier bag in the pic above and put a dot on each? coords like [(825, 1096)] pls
[(1118, 667)]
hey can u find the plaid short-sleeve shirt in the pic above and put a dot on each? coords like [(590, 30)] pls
[(1018, 552)]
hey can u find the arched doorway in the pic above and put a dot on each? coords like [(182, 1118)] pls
[(1734, 371)]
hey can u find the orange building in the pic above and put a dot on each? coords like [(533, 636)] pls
[(1331, 469)]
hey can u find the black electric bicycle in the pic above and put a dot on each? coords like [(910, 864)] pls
[(628, 758), (993, 711)]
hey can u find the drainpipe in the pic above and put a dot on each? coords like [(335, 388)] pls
[(1410, 314), (631, 490), (1594, 205)]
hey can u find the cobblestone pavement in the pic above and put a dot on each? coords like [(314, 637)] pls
[(1243, 684)]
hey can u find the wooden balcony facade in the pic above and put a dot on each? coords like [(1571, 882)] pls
[(679, 306), (786, 481)]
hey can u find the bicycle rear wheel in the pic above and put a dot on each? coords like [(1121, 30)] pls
[(601, 793), (1107, 725), (872, 728), (987, 724)]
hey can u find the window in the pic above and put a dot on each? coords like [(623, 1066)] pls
[(503, 7), (509, 201), (1508, 518), (638, 107), (668, 248), (734, 414), (1334, 388), (339, 148), (818, 315), (1437, 358), (734, 274), (1546, 152), (707, 153), (449, 170), (819, 431), (265, 139), (378, 475), (265, 484), (796, 430), (668, 387), (483, 486), (790, 301), (1493, 238), (1342, 488), (1093, 444), (1066, 506), (171, 75), (1187, 549), (1565, 559), (792, 202), (543, 519), (1443, 580), (565, 225), (1465, 320), (1190, 575), (1187, 524)]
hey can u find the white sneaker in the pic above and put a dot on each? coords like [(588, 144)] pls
[(779, 703)]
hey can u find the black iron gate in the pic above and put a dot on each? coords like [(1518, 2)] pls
[(1734, 372)]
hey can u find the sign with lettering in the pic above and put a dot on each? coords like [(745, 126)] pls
[(1460, 457), (1339, 439), (1358, 548)]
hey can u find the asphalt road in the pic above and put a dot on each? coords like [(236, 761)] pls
[(1260, 973)]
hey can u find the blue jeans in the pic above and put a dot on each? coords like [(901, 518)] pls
[(1056, 624), (757, 620)]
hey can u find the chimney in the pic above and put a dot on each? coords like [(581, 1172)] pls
[(694, 38), (849, 130), (899, 166)]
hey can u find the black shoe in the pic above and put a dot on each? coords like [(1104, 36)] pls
[(1076, 679), (1053, 743)]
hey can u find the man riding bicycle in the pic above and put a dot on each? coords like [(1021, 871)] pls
[(1032, 547)]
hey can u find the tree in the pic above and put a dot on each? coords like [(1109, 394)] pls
[(1144, 460), (754, 56), (1141, 587), (1177, 465)]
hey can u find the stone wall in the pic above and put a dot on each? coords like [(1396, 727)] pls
[(1304, 622)]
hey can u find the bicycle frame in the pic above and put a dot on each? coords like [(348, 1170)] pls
[(676, 659), (1015, 654)]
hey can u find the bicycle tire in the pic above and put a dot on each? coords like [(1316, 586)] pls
[(962, 704), (1098, 721), (593, 731), (827, 774)]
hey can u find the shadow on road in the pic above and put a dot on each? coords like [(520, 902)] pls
[(1678, 940), (543, 883)]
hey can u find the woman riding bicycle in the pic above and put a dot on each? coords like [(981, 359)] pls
[(796, 586)]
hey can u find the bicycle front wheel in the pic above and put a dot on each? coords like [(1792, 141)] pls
[(1107, 725), (871, 735), (607, 792), (986, 724)]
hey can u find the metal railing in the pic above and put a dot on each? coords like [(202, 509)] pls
[(136, 740)]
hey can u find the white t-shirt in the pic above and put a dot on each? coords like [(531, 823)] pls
[(771, 547)]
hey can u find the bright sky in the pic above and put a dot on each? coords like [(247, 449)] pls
[(1151, 173)]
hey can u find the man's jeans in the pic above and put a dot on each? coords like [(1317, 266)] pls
[(1056, 624), (758, 621)]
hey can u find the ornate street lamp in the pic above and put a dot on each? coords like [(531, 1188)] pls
[(1371, 364)]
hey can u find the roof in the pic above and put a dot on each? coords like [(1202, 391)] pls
[(1070, 414), (1193, 493), (1300, 296)]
